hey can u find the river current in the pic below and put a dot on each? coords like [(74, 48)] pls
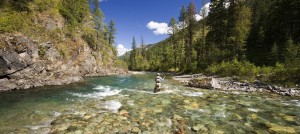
[(127, 104)]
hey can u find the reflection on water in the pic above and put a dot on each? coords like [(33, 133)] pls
[(127, 104)]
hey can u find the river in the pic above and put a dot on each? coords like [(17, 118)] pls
[(127, 104)]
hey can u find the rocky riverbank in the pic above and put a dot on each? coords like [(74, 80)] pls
[(26, 63), (229, 84)]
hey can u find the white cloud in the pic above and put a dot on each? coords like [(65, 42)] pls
[(198, 17), (206, 8), (122, 50), (158, 28)]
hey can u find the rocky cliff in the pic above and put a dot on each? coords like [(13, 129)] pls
[(27, 63), (51, 43)]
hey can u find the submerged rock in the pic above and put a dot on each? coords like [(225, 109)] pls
[(253, 116), (124, 113), (158, 110), (199, 127), (59, 128), (192, 106), (289, 118), (280, 129), (177, 117), (135, 130)]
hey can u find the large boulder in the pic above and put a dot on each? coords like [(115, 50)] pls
[(16, 54), (11, 63)]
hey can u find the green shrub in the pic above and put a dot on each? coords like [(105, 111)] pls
[(42, 51), (74, 16), (90, 40), (43, 5), (55, 35), (285, 74), (18, 5), (121, 64), (279, 74), (63, 50), (264, 73), (244, 69), (11, 21), (1, 44)]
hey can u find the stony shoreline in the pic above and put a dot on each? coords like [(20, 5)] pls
[(228, 84)]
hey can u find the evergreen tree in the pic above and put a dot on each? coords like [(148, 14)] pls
[(191, 22), (216, 37), (105, 33), (182, 16), (173, 26), (111, 32), (238, 25), (203, 13), (284, 17), (200, 46), (133, 54), (255, 48), (292, 54), (217, 22), (143, 47), (182, 19), (98, 17), (274, 54), (96, 4), (173, 31)]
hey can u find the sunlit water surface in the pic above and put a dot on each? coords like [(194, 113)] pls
[(127, 104)]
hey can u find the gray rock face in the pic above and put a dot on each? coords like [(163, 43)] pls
[(16, 55), (88, 65), (10, 63), (25, 63)]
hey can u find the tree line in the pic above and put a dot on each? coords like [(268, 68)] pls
[(256, 34)]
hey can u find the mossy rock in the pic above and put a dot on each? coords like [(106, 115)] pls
[(253, 116), (280, 129), (289, 118)]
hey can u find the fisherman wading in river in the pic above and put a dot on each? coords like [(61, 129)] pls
[(158, 81)]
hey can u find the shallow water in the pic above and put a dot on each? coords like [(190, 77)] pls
[(127, 104)]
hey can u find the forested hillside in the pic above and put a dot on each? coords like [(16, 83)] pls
[(62, 22), (252, 39)]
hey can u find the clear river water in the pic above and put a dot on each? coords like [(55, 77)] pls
[(127, 104)]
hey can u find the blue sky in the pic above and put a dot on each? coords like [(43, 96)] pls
[(133, 17)]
